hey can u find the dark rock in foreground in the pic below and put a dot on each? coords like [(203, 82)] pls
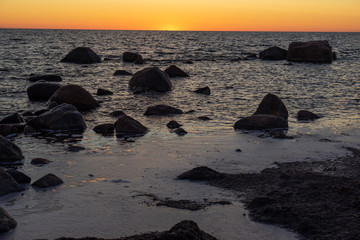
[(49, 180), (104, 129), (7, 129), (173, 124), (201, 173), (19, 177), (76, 96), (47, 77), (273, 53), (313, 51), (184, 230), (162, 110), (8, 184), (82, 55), (272, 104), (306, 115), (174, 71), (122, 73), (126, 125), (12, 118), (151, 78), (42, 91), (6, 221), (9, 152), (40, 161), (103, 92), (261, 121), (203, 90)]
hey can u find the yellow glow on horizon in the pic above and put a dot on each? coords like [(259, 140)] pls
[(206, 15)]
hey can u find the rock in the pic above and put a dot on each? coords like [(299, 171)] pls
[(19, 177), (102, 92), (27, 113), (278, 134), (126, 125), (313, 51), (104, 129), (151, 78), (174, 71), (273, 53), (272, 104), (75, 95), (180, 131), (12, 118), (132, 57), (7, 129), (251, 56), (29, 130), (261, 121), (117, 113), (6, 221), (49, 180), (47, 77), (203, 90), (52, 105), (8, 184), (74, 148), (41, 111), (64, 117), (201, 173), (204, 118), (173, 124), (42, 91), (306, 115), (9, 152), (40, 161), (162, 110), (82, 55), (122, 73)]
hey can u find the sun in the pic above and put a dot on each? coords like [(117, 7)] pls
[(170, 27)]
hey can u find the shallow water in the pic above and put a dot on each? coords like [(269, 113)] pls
[(107, 205)]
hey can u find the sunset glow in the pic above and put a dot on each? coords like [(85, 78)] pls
[(206, 15)]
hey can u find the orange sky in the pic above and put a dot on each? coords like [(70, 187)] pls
[(206, 15)]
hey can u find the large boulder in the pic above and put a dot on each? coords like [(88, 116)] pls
[(126, 125), (9, 152), (45, 77), (261, 121), (75, 95), (49, 180), (272, 104), (174, 71), (162, 110), (82, 55), (8, 184), (151, 78), (42, 90), (133, 57), (313, 51), (273, 53), (6, 221), (12, 118), (64, 117)]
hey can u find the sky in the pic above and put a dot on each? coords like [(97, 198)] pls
[(203, 15)]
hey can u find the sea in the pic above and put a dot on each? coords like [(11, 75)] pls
[(107, 183)]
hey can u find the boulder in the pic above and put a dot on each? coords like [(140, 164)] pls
[(42, 91), (103, 92), (272, 104), (49, 180), (162, 110), (203, 90), (7, 129), (126, 125), (8, 184), (278, 134), (9, 152), (82, 55), (64, 117), (104, 129), (174, 71), (117, 113), (46, 77), (19, 177), (12, 118), (76, 96), (27, 113), (132, 57), (6, 221), (201, 173), (313, 51), (306, 115), (261, 121), (151, 78), (40, 161), (173, 124), (204, 118), (122, 73), (273, 53), (180, 131)]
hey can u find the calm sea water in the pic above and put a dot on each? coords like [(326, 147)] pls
[(151, 162)]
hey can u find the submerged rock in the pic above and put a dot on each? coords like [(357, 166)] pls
[(42, 91), (173, 124), (117, 113), (9, 152), (46, 77), (76, 96), (19, 177), (126, 125), (133, 57), (104, 129), (272, 104), (49, 180), (174, 71), (312, 51), (278, 134), (180, 131), (261, 121), (162, 110), (203, 90), (8, 184), (12, 118), (151, 78), (122, 73), (6, 221), (82, 55), (201, 173), (103, 92), (306, 115), (273, 53), (40, 161)]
